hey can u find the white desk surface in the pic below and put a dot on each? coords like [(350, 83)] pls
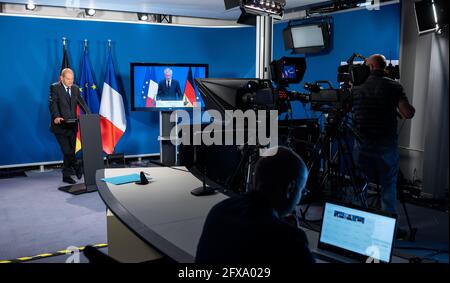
[(165, 205), (166, 208)]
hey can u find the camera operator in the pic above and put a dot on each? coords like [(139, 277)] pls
[(377, 103)]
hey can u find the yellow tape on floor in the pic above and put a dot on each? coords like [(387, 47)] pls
[(45, 255)]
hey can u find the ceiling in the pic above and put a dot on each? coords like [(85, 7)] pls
[(191, 8)]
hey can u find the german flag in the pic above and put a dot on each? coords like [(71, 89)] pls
[(189, 97), (65, 64)]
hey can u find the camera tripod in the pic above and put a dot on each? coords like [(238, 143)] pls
[(241, 180), (332, 153)]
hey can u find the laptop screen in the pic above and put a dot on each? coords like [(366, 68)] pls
[(357, 233)]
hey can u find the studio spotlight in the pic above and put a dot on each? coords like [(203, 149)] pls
[(142, 17), (90, 12), (274, 8), (30, 7)]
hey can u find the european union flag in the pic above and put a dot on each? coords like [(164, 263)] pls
[(88, 87), (149, 89)]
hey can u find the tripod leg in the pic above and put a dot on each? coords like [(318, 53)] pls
[(358, 191), (412, 230)]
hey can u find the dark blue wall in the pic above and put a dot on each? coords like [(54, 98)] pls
[(30, 59), (362, 31)]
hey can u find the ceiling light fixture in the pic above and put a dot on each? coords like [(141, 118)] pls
[(30, 7), (142, 17), (90, 12)]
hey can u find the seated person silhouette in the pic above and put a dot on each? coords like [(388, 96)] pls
[(250, 228)]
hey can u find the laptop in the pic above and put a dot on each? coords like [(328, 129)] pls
[(354, 234)]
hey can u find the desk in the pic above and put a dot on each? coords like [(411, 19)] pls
[(164, 214)]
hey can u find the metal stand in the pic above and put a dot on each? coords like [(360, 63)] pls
[(333, 174), (264, 42), (92, 155), (204, 190), (401, 197), (168, 151), (241, 180), (78, 189)]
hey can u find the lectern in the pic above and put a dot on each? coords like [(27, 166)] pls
[(91, 141)]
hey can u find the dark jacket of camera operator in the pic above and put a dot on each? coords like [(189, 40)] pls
[(377, 103)]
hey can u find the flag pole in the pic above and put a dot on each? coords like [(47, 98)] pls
[(85, 45), (64, 41), (109, 45)]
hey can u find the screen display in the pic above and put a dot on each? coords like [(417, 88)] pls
[(289, 72), (364, 233), (307, 36), (159, 87), (425, 16)]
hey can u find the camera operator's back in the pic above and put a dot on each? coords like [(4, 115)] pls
[(375, 105)]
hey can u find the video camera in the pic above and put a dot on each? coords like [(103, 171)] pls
[(351, 73), (321, 94), (264, 94), (357, 73), (260, 94), (288, 70)]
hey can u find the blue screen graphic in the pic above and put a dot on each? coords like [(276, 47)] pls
[(160, 86), (289, 72)]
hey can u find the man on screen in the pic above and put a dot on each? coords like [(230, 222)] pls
[(63, 100), (169, 89)]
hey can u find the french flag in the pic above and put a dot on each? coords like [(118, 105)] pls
[(150, 87), (113, 122)]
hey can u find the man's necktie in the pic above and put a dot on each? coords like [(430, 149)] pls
[(68, 91)]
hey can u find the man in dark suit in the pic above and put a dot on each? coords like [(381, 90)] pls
[(169, 89), (252, 228), (63, 100)]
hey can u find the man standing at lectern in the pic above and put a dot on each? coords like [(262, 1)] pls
[(63, 100), (169, 89)]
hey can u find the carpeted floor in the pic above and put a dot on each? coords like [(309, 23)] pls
[(37, 218)]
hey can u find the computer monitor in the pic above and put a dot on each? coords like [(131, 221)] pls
[(157, 86), (307, 38), (357, 233)]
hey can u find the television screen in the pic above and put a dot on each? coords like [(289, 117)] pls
[(289, 72), (309, 38), (425, 16), (166, 86)]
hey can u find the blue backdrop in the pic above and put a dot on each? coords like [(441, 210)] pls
[(31, 54), (361, 31)]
